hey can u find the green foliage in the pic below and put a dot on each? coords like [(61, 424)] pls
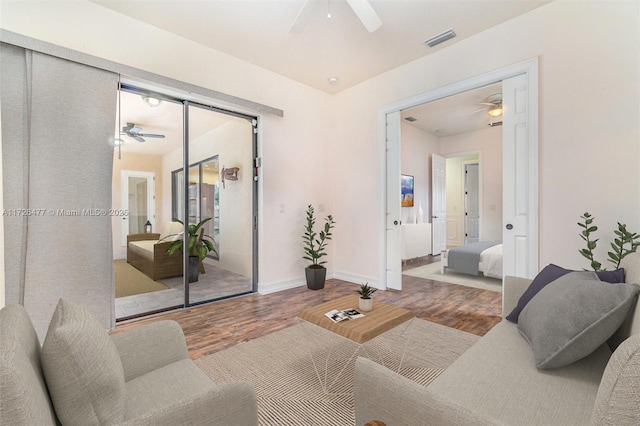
[(197, 247), (587, 229), (365, 291), (314, 243), (625, 242)]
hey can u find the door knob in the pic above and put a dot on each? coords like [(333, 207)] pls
[(509, 226), (395, 222)]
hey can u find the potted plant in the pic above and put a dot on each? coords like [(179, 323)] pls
[(314, 249), (198, 247), (366, 302)]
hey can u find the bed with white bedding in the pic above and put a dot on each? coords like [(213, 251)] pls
[(485, 257)]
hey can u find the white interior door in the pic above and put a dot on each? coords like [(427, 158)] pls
[(394, 249), (438, 204), (471, 204), (519, 233), (137, 195)]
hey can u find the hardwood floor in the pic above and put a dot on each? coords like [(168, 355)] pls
[(216, 326)]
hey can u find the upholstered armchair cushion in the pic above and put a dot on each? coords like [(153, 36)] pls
[(82, 368), (24, 399)]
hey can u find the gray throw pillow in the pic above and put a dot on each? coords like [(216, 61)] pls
[(82, 368), (572, 316)]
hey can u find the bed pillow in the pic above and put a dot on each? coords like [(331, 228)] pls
[(551, 273), (572, 316)]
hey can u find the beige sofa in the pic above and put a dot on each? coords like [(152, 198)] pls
[(148, 253), (496, 381), (83, 376)]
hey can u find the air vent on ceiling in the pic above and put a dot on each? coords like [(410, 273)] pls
[(440, 38), (497, 123), (411, 119)]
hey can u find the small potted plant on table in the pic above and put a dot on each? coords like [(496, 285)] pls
[(314, 246), (366, 302)]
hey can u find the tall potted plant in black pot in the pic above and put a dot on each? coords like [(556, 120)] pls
[(314, 249)]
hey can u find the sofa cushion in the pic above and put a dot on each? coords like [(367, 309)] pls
[(549, 274), (143, 248), (497, 379), (82, 368), (618, 400), (171, 229), (572, 316)]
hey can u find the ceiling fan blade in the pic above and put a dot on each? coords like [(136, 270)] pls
[(366, 14), (300, 19), (150, 135)]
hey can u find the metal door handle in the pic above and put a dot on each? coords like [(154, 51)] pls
[(509, 226), (395, 222)]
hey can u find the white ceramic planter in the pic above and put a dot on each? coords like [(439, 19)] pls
[(366, 304)]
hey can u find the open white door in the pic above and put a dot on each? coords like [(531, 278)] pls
[(438, 204), (394, 261), (519, 162)]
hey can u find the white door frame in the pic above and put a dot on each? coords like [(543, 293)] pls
[(124, 197), (530, 69)]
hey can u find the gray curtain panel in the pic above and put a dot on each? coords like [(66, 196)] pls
[(58, 121)]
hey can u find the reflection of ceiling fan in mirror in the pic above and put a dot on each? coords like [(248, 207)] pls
[(135, 132), (361, 8)]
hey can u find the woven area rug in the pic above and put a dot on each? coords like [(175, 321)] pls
[(290, 391), (432, 271), (129, 281)]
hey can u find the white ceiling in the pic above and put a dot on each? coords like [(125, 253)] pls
[(457, 114), (257, 31), (164, 119)]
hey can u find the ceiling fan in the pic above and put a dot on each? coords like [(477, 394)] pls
[(134, 132), (363, 10), (494, 102)]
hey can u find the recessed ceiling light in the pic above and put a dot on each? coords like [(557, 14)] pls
[(152, 102), (334, 80)]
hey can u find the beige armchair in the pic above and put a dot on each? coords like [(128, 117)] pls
[(82, 375)]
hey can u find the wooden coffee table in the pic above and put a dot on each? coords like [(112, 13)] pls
[(383, 317)]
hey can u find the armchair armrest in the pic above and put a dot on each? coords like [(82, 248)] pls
[(150, 347), (512, 290), (234, 404), (380, 394), (142, 237)]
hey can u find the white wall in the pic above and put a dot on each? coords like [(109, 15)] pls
[(324, 150), (588, 131), (416, 149)]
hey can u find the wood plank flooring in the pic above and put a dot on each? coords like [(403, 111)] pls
[(216, 326)]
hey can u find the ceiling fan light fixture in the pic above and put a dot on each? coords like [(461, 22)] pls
[(495, 111), (440, 38)]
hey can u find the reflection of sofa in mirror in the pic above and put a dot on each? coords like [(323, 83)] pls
[(148, 253)]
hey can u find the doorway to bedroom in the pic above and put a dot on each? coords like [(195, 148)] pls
[(214, 202)]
